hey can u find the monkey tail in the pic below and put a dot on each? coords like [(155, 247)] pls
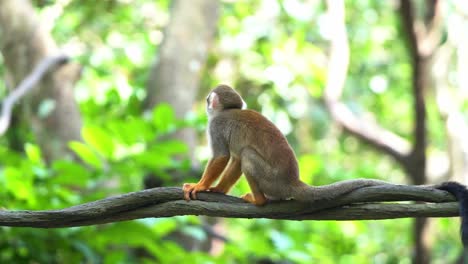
[(461, 193), (307, 193)]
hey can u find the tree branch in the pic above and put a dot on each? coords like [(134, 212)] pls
[(24, 43), (367, 131), (26, 85), (168, 201)]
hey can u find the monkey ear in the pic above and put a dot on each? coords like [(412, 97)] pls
[(213, 100)]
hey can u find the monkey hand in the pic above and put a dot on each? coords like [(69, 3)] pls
[(191, 189)]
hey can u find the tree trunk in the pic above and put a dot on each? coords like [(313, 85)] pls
[(23, 43), (175, 76)]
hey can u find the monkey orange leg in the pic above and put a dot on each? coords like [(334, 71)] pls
[(257, 197), (229, 177), (213, 169)]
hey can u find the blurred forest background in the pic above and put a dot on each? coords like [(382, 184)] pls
[(361, 89)]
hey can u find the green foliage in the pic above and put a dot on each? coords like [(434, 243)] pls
[(163, 118), (31, 184), (86, 154)]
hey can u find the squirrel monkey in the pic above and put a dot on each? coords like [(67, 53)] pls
[(245, 142)]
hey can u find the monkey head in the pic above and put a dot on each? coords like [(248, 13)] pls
[(223, 97)]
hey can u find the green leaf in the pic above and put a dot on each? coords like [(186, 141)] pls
[(33, 152), (170, 147), (70, 173), (86, 154), (99, 139), (128, 233), (153, 159), (131, 130), (114, 257), (163, 118), (161, 154), (163, 226), (19, 184)]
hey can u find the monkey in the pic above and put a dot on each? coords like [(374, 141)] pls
[(245, 142)]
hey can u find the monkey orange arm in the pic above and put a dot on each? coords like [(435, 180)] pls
[(230, 176), (213, 170)]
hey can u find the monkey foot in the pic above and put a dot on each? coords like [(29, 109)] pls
[(249, 197), (191, 189)]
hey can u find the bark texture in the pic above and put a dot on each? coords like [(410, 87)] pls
[(362, 204), (175, 76)]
